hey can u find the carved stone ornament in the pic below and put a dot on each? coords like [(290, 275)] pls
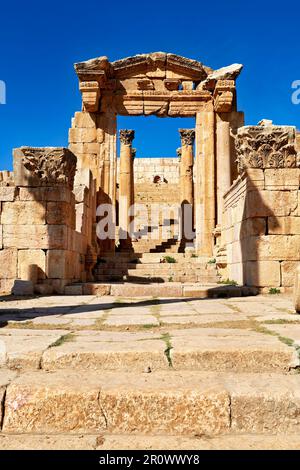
[(266, 147), (223, 96), (126, 136), (51, 166), (187, 136)]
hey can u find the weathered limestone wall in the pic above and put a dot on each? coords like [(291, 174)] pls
[(261, 219), (146, 169), (39, 216)]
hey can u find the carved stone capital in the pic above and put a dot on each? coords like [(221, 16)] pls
[(45, 166), (266, 146), (187, 136), (126, 136), (90, 92)]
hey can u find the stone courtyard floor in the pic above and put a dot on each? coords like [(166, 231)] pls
[(168, 373)]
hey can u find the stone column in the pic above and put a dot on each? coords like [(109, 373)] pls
[(186, 176), (223, 161), (205, 181), (125, 188)]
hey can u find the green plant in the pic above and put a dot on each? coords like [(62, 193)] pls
[(169, 259), (167, 339), (212, 261), (170, 279), (63, 339), (194, 256), (274, 290), (228, 282)]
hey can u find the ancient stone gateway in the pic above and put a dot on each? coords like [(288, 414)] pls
[(240, 186)]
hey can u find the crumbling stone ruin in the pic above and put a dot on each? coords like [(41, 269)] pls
[(239, 183)]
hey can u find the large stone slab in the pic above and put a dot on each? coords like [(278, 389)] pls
[(24, 348), (36, 236), (68, 401), (107, 355), (23, 213), (229, 350), (262, 403), (8, 263)]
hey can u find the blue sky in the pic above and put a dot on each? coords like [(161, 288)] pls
[(40, 41)]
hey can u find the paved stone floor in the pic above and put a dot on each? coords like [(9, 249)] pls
[(234, 347)]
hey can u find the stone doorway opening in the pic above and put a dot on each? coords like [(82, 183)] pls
[(156, 183)]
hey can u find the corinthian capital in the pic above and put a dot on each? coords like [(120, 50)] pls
[(126, 136), (187, 136)]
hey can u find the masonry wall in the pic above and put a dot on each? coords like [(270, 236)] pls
[(146, 169), (44, 233), (261, 227)]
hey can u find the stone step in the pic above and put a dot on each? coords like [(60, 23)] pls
[(206, 349), (111, 442), (164, 289), (181, 403)]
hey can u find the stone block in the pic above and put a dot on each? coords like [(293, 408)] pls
[(57, 194), (87, 148), (87, 120), (8, 263), (284, 225), (82, 135), (21, 288), (23, 213), (6, 285), (43, 289), (59, 264), (263, 273), (83, 177), (253, 226), (288, 272), (35, 236), (7, 193), (270, 203), (73, 290), (27, 258), (81, 194), (282, 178), (96, 289), (273, 247), (60, 213)]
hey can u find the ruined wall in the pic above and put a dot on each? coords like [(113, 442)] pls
[(261, 219), (146, 169), (39, 243)]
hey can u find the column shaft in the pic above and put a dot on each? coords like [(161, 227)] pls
[(223, 162), (205, 181), (125, 188)]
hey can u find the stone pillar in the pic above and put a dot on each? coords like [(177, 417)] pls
[(223, 161), (186, 176), (125, 188), (205, 181)]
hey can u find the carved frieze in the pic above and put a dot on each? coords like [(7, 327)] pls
[(266, 147), (126, 136), (187, 136), (45, 166)]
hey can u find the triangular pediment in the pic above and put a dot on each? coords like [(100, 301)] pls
[(145, 64)]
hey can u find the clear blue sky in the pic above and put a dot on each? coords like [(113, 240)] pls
[(40, 41)]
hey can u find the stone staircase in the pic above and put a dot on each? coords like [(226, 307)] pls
[(155, 267), (173, 388)]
